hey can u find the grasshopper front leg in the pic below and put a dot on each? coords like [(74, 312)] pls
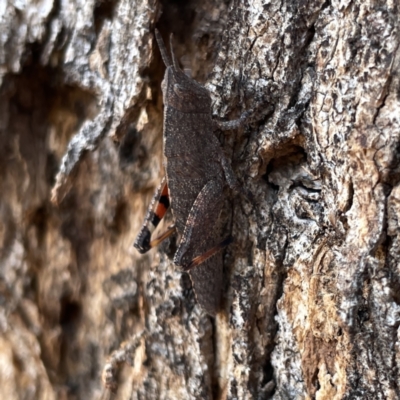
[(233, 124)]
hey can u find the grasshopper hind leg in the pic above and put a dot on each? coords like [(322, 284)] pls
[(199, 250), (157, 209)]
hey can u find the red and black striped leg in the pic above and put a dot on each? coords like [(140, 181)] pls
[(157, 209)]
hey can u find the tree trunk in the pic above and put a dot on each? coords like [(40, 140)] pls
[(311, 297)]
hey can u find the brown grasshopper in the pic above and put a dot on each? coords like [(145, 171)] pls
[(196, 171)]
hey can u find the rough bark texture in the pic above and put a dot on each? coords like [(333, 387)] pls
[(312, 282)]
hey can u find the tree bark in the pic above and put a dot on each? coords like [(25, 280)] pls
[(311, 300)]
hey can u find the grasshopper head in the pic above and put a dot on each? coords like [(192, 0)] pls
[(179, 91)]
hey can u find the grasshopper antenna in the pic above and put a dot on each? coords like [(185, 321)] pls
[(163, 50), (175, 61)]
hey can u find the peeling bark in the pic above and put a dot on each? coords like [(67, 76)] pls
[(312, 281)]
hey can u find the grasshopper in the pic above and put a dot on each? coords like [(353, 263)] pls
[(196, 171)]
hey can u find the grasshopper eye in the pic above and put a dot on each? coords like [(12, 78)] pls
[(179, 90)]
